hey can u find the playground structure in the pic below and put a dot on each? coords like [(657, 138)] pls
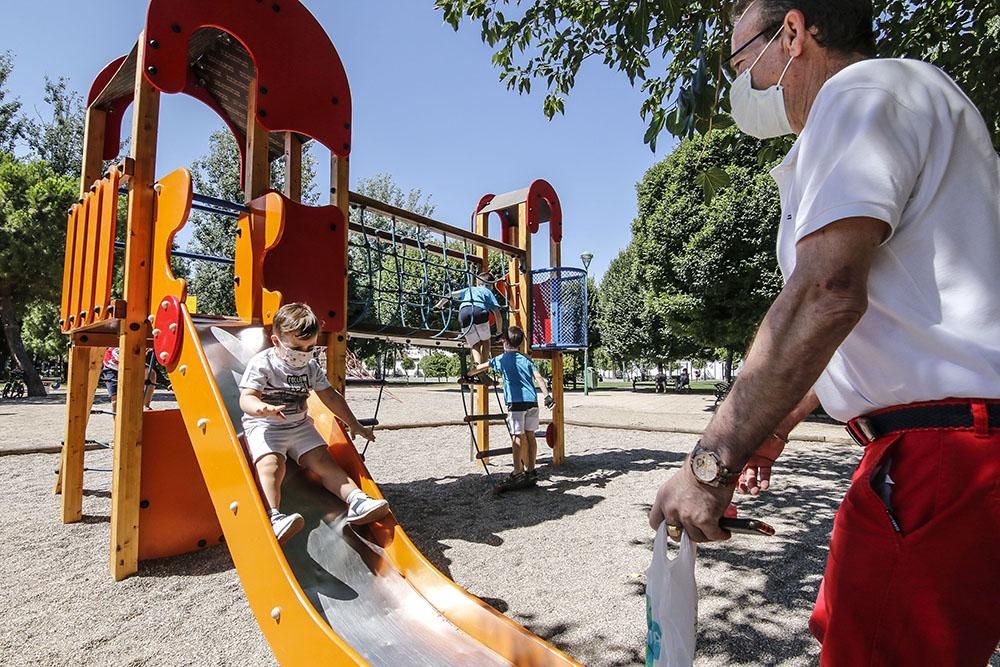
[(181, 481)]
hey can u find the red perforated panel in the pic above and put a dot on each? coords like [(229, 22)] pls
[(307, 263), (302, 82)]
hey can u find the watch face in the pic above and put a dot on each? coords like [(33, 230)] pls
[(705, 467)]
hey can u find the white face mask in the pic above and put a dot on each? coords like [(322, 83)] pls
[(293, 358), (760, 113)]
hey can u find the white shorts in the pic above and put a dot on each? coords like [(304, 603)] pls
[(523, 422), (477, 333), (290, 441)]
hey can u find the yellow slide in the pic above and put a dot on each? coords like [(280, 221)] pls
[(330, 596)]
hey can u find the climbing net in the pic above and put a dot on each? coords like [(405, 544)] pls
[(403, 274)]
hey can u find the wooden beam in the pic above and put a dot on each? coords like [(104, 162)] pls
[(558, 393), (293, 167), (84, 370), (133, 333), (340, 196), (257, 169), (481, 405), (93, 148)]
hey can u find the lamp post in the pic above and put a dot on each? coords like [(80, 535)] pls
[(586, 258)]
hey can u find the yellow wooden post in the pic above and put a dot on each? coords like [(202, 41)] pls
[(336, 347), (523, 276), (84, 368), (80, 395), (132, 336), (293, 167), (257, 168), (481, 404), (559, 409)]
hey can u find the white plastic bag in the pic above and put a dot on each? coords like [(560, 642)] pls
[(671, 604)]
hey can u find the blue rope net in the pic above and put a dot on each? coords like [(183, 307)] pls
[(559, 305), (399, 272)]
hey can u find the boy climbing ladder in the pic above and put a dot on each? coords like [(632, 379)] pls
[(520, 378)]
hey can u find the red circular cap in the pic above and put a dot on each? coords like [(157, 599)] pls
[(167, 331), (550, 436)]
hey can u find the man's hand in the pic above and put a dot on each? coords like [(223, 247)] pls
[(683, 501), (549, 401), (756, 475), (365, 432), (267, 410)]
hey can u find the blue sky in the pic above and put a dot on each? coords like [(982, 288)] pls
[(428, 108)]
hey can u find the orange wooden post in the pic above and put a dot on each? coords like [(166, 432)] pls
[(524, 277), (81, 382), (336, 348), (559, 409), (481, 404), (84, 369), (132, 336), (293, 167)]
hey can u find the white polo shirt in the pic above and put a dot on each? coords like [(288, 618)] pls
[(898, 141)]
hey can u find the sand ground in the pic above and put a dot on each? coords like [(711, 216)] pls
[(566, 560)]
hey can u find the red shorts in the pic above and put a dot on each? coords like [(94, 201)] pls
[(929, 593)]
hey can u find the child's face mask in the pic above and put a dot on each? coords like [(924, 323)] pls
[(293, 358)]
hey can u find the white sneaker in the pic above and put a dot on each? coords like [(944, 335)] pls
[(285, 526), (362, 509)]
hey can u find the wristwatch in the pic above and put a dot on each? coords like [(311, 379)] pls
[(708, 468)]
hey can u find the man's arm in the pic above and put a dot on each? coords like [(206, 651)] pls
[(822, 302), (756, 475)]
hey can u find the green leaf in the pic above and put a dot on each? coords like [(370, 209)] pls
[(711, 181)]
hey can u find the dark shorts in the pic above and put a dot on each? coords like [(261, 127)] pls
[(521, 406), (470, 315), (109, 377)]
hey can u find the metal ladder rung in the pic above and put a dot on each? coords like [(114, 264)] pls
[(494, 452), (368, 422)]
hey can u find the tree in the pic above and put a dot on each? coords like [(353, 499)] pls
[(675, 49), (217, 174), (380, 271), (709, 265), (11, 122), (435, 364), (33, 205), (59, 139)]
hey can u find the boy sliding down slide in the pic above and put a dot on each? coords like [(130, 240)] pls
[(275, 386), (519, 378)]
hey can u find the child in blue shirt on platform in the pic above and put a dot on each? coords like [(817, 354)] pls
[(475, 305), (519, 389)]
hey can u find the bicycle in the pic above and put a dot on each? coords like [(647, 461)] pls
[(15, 387)]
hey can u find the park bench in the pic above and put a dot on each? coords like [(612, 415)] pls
[(721, 391)]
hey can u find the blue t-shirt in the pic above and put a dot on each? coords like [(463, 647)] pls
[(518, 377), (481, 297)]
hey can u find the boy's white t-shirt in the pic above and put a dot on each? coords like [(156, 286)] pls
[(897, 140), (279, 384)]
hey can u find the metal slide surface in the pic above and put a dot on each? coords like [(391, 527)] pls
[(375, 610)]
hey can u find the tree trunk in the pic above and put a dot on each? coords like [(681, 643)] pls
[(728, 368), (12, 333)]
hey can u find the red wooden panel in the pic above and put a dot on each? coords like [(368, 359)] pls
[(302, 81), (307, 262), (538, 191)]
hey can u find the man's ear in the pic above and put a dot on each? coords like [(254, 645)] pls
[(796, 33)]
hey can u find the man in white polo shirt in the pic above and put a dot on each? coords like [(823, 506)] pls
[(890, 317)]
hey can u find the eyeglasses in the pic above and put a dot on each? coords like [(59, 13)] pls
[(727, 70)]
